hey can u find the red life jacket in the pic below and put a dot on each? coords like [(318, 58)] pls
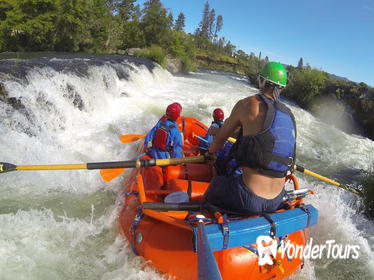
[(161, 136)]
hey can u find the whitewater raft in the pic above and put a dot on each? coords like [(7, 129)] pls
[(168, 239)]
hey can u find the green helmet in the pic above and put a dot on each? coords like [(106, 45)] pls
[(275, 73)]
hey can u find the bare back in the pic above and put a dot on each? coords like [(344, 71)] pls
[(249, 114)]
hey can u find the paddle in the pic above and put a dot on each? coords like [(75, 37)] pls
[(7, 167), (313, 174), (207, 265), (109, 174), (128, 138)]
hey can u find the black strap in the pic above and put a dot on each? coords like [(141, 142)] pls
[(306, 210), (270, 113), (225, 231), (284, 160), (273, 229), (183, 127), (189, 189)]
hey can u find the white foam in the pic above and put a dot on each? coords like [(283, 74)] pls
[(34, 244)]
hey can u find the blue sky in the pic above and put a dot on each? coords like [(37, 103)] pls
[(336, 36)]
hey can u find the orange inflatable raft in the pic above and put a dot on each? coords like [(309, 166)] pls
[(169, 239)]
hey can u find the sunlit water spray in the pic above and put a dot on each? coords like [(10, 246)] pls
[(62, 224)]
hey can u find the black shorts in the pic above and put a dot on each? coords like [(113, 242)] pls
[(230, 193)]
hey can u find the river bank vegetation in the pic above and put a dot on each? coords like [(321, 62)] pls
[(122, 26), (151, 31)]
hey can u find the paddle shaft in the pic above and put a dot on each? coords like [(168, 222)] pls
[(208, 268), (313, 174), (7, 167)]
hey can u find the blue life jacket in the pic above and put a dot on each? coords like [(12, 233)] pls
[(204, 145), (164, 140), (225, 164), (272, 151)]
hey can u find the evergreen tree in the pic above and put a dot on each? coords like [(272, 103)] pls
[(127, 9), (300, 65), (132, 36), (5, 6), (179, 23), (128, 33), (170, 20), (211, 24), (155, 23), (29, 25), (69, 25), (204, 24), (95, 31), (219, 26)]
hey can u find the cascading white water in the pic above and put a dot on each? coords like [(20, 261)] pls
[(62, 224)]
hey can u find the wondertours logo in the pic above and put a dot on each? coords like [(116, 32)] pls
[(268, 248)]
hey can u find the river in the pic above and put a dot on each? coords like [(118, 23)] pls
[(62, 224)]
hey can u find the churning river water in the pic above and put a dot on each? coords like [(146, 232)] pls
[(62, 224)]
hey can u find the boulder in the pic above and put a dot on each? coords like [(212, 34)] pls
[(174, 65)]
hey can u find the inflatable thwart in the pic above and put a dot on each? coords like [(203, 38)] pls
[(163, 213)]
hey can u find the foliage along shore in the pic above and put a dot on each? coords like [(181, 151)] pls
[(150, 31)]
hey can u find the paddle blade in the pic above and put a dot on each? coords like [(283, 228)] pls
[(7, 167), (131, 137), (109, 174)]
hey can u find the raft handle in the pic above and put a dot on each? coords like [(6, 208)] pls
[(158, 206)]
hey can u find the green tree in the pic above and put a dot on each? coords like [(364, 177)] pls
[(71, 15), (211, 24), (300, 64), (132, 36), (219, 25), (306, 84), (170, 20), (5, 6), (125, 31), (127, 10), (155, 23), (203, 29), (94, 36), (29, 25), (179, 23)]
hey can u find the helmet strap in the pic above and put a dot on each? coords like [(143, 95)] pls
[(261, 82), (276, 92)]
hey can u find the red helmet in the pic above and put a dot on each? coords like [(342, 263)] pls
[(218, 114), (179, 105), (173, 111)]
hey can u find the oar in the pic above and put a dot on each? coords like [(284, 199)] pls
[(7, 167), (109, 174), (313, 174), (207, 265), (128, 138)]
